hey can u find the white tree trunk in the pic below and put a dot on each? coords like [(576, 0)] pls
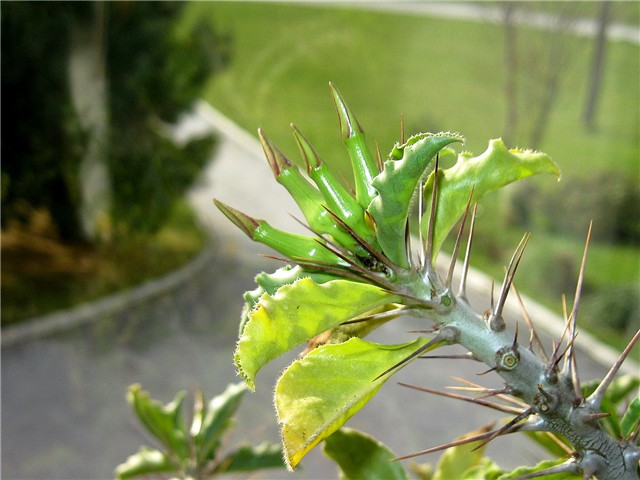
[(89, 91)]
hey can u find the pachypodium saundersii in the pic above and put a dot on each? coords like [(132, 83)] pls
[(359, 268)]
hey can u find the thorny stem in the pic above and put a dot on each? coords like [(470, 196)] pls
[(552, 395)]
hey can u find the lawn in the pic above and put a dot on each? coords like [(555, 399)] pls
[(441, 75)]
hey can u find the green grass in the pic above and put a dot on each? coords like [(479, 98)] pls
[(441, 75), (37, 281)]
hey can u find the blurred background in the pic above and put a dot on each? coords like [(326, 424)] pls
[(94, 185)]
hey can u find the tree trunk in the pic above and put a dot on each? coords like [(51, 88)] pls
[(597, 63), (511, 73), (89, 90)]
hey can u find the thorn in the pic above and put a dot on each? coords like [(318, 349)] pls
[(511, 272), (389, 314), (560, 443), (349, 125), (455, 443), (407, 244), (555, 357), (277, 160), (428, 250), (570, 366), (533, 336), (402, 129), (464, 356), (243, 221), (310, 156), (564, 352), (598, 416), (379, 162), (488, 392), (462, 294), (408, 296), (493, 287), (434, 341), (497, 393), (495, 320), (456, 248), (506, 428), (547, 396), (495, 406), (595, 399), (492, 369), (421, 252), (363, 243), (364, 272)]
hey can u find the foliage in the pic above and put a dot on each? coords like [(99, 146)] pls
[(43, 143), (153, 74), (370, 275), (192, 451)]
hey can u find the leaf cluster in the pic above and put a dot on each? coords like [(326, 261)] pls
[(193, 450)]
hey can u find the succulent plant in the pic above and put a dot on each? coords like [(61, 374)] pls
[(360, 267)]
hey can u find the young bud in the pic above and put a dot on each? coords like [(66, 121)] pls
[(337, 199), (362, 162), (291, 245)]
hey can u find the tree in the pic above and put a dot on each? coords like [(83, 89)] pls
[(535, 66), (597, 64), (150, 75)]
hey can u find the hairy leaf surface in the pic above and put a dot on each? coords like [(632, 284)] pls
[(318, 393), (298, 312), (493, 169)]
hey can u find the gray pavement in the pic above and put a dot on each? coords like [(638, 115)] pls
[(63, 410)]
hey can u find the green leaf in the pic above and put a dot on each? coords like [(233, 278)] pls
[(455, 461), (291, 245), (164, 422), (318, 393), (486, 469), (495, 168), (217, 420), (360, 456), (297, 313), (397, 185), (307, 196), (270, 282), (362, 162), (146, 462), (521, 471), (248, 458), (630, 418), (336, 197)]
